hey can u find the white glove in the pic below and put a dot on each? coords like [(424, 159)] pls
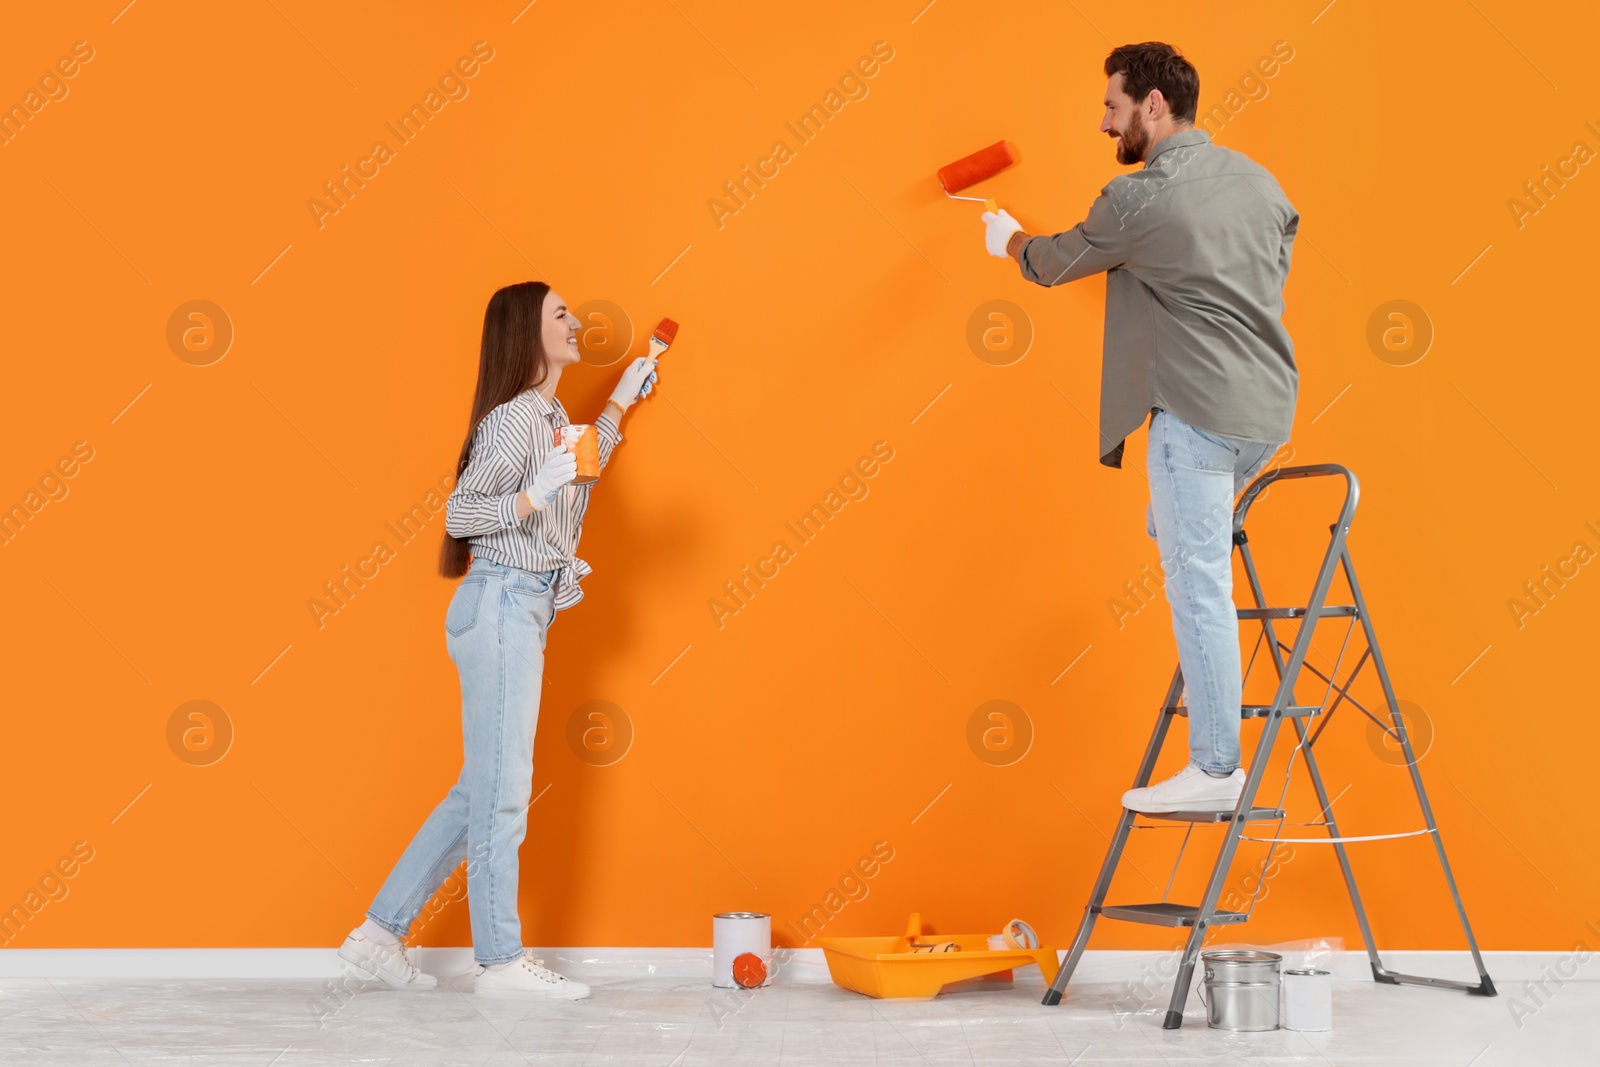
[(635, 382), (1000, 227), (559, 468)]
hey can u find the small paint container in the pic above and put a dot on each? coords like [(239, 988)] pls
[(741, 949), (1307, 1000), (584, 441)]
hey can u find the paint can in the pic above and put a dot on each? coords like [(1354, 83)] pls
[(741, 949), (1307, 1000), (1240, 989), (584, 440)]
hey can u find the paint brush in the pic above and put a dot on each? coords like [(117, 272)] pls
[(662, 339)]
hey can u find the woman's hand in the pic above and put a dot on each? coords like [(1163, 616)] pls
[(635, 382), (560, 468)]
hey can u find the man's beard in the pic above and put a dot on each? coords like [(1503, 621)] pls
[(1135, 139)]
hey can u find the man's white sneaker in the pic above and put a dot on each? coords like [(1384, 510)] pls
[(527, 977), (384, 963), (1191, 789)]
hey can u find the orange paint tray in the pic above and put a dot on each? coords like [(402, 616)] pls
[(885, 967)]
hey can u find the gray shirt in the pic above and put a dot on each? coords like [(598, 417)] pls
[(1195, 247)]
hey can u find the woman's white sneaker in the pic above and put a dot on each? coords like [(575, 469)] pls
[(384, 963), (1191, 789), (527, 976)]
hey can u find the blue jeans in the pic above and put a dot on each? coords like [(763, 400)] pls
[(1195, 475), (495, 631)]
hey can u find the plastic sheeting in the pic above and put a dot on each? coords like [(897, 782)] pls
[(680, 1022)]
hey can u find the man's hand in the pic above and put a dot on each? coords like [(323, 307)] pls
[(999, 227)]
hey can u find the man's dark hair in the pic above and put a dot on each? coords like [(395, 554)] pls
[(1153, 65)]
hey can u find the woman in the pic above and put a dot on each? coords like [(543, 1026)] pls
[(516, 511)]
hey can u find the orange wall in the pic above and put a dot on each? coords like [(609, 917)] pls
[(822, 318)]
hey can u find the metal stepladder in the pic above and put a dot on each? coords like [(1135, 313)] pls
[(1202, 917)]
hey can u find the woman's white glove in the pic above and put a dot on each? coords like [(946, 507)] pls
[(559, 468), (999, 228), (635, 382)]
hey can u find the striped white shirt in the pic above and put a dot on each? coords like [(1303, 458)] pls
[(508, 448)]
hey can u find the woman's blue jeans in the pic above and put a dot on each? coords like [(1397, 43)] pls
[(495, 631), (1195, 476)]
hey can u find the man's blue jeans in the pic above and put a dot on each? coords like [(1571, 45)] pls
[(495, 631), (1195, 476)]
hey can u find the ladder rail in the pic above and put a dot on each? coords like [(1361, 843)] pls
[(1486, 986), (1119, 841), (1311, 470), (1345, 870)]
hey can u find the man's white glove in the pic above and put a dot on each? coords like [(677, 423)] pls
[(559, 468), (1000, 227), (634, 381)]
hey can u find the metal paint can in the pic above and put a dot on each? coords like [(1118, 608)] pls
[(734, 935), (1240, 989), (1307, 1000)]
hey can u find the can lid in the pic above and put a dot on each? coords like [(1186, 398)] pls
[(1237, 955), (1306, 970), (742, 915)]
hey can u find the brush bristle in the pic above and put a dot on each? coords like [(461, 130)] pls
[(666, 331)]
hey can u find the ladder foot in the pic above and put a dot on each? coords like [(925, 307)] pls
[(1486, 989), (1173, 1020), (1052, 997), (1381, 975)]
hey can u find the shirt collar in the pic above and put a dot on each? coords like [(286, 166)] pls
[(1177, 139), (543, 406)]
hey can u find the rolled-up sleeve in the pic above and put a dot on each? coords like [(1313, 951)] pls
[(610, 436), (1099, 243), (485, 497)]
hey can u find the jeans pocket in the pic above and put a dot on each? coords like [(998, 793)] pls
[(462, 615), (532, 583), (1261, 455), (1213, 451)]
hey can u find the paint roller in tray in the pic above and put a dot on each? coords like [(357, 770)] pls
[(970, 170)]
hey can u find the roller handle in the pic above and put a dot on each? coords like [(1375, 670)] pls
[(989, 205)]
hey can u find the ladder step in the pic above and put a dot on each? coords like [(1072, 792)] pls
[(1328, 611), (1256, 711), (1253, 815), (1167, 914)]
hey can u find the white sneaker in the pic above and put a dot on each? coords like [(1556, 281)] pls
[(385, 963), (527, 977), (1191, 789)]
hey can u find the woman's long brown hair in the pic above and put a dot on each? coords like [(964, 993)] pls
[(511, 359)]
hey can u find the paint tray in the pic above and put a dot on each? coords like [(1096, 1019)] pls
[(885, 967)]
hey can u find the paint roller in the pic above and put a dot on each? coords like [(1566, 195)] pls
[(970, 170)]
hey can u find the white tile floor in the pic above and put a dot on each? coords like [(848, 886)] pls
[(678, 1022)]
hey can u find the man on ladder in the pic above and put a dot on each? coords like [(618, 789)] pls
[(1196, 249)]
